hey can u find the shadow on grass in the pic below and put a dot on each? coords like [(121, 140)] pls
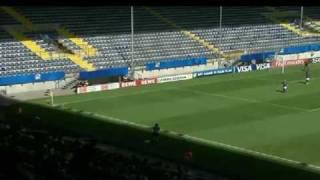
[(279, 91)]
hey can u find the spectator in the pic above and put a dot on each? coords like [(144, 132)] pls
[(188, 155)]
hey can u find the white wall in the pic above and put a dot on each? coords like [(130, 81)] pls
[(306, 55), (173, 71), (39, 86)]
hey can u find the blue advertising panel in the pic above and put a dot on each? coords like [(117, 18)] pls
[(213, 72), (259, 57), (117, 71), (30, 78), (175, 63), (300, 49)]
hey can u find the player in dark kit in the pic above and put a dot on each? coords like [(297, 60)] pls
[(284, 86), (307, 72)]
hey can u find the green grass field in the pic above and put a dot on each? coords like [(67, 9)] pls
[(244, 110)]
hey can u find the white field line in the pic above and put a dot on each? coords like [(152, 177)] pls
[(211, 142), (246, 100), (265, 79), (315, 109), (110, 97), (249, 151)]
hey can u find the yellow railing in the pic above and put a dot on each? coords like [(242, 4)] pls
[(187, 33)]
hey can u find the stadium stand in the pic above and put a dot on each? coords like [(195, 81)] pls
[(99, 37), (63, 45)]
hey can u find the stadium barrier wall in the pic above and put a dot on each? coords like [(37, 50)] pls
[(31, 78), (172, 78), (169, 145), (175, 63), (179, 77), (213, 72), (174, 71), (297, 56), (117, 71), (280, 63), (300, 49), (139, 82), (116, 85), (21, 88), (252, 67), (257, 56)]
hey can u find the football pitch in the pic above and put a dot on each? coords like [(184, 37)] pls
[(245, 110)]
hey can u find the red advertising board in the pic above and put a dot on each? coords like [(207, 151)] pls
[(110, 86), (128, 84), (141, 82), (279, 63)]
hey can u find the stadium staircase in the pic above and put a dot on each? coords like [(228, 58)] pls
[(79, 61), (277, 17), (34, 47), (70, 84), (87, 49), (187, 33)]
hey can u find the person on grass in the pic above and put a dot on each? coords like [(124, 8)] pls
[(307, 73), (284, 86)]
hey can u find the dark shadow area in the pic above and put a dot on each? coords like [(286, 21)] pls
[(74, 126)]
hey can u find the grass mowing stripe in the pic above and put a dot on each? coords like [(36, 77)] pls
[(142, 92), (246, 100), (210, 142), (114, 96), (248, 151)]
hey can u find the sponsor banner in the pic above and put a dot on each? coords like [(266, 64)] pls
[(212, 72), (252, 67), (111, 86), (128, 84), (179, 77), (279, 63), (243, 68), (141, 82), (96, 88), (262, 66), (81, 90)]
